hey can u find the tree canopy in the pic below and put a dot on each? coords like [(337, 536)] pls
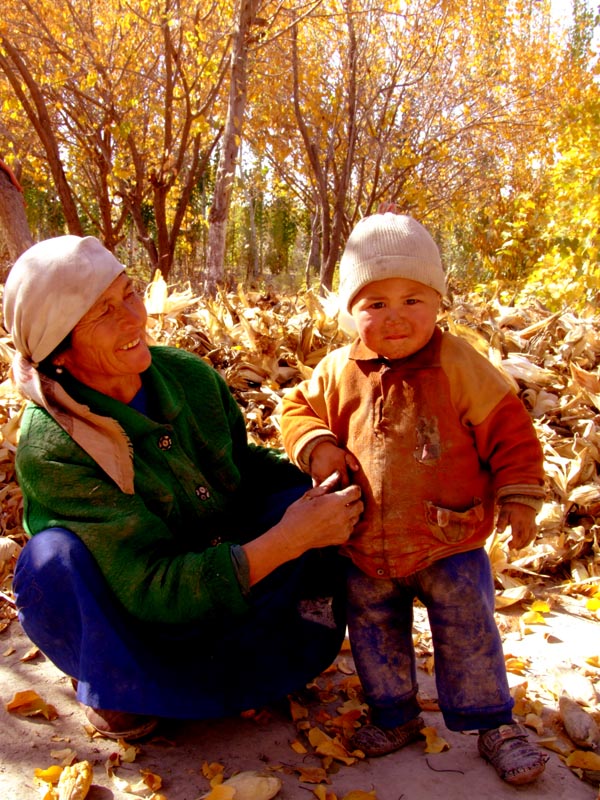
[(150, 124)]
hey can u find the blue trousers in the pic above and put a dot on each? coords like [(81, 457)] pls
[(195, 672), (458, 593)]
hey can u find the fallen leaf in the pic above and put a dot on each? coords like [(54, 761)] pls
[(433, 742), (533, 618), (211, 770), (32, 653), (535, 722), (515, 665), (30, 704), (298, 747), (326, 746), (322, 793), (358, 794), (250, 785), (298, 711), (541, 606), (66, 756), (584, 760), (220, 792), (50, 774), (312, 775)]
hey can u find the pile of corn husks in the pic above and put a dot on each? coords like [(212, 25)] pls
[(265, 343)]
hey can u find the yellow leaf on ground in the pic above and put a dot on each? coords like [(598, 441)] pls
[(129, 751), (535, 722), (533, 618), (50, 774), (312, 775), (30, 704), (584, 759), (522, 703), (322, 793), (326, 746), (358, 794), (298, 711), (211, 770), (66, 756), (298, 747), (541, 606), (151, 779), (32, 653), (220, 792), (434, 743), (515, 665)]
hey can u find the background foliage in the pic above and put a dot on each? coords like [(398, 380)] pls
[(479, 117)]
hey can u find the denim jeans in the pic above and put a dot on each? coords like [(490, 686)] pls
[(470, 674)]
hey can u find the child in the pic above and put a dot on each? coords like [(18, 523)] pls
[(434, 436)]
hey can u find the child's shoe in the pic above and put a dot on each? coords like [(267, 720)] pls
[(376, 741), (508, 750)]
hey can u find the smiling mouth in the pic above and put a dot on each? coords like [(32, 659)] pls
[(130, 345)]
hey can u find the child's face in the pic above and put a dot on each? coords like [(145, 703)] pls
[(395, 317)]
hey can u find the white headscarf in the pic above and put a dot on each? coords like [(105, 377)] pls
[(49, 289)]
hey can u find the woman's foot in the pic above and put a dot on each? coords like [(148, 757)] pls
[(119, 724), (375, 741), (508, 750)]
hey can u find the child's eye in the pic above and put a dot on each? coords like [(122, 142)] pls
[(378, 304), (412, 301)]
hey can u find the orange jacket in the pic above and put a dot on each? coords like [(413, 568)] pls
[(440, 436)]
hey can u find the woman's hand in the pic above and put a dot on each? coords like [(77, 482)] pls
[(327, 458), (320, 518)]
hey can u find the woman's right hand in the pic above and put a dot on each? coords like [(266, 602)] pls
[(320, 518)]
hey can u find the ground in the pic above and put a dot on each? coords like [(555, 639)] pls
[(553, 657)]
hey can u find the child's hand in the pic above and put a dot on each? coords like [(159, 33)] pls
[(521, 519), (327, 458)]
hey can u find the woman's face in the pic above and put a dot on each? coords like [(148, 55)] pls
[(108, 349)]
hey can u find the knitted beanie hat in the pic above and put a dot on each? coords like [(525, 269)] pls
[(389, 246), (49, 289)]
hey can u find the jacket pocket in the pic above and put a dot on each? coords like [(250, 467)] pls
[(454, 526)]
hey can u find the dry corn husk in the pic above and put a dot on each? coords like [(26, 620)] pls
[(252, 785), (579, 725), (263, 343), (75, 781)]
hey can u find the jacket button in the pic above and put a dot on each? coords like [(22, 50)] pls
[(165, 442), (202, 492), (381, 572)]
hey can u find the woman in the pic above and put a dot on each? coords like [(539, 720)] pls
[(174, 570)]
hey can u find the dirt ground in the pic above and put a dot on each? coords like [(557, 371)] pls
[(553, 657)]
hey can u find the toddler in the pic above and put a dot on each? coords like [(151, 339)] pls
[(435, 437)]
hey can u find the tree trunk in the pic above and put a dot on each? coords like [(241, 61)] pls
[(230, 147), (13, 220)]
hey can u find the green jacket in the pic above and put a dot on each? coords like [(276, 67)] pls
[(166, 550)]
